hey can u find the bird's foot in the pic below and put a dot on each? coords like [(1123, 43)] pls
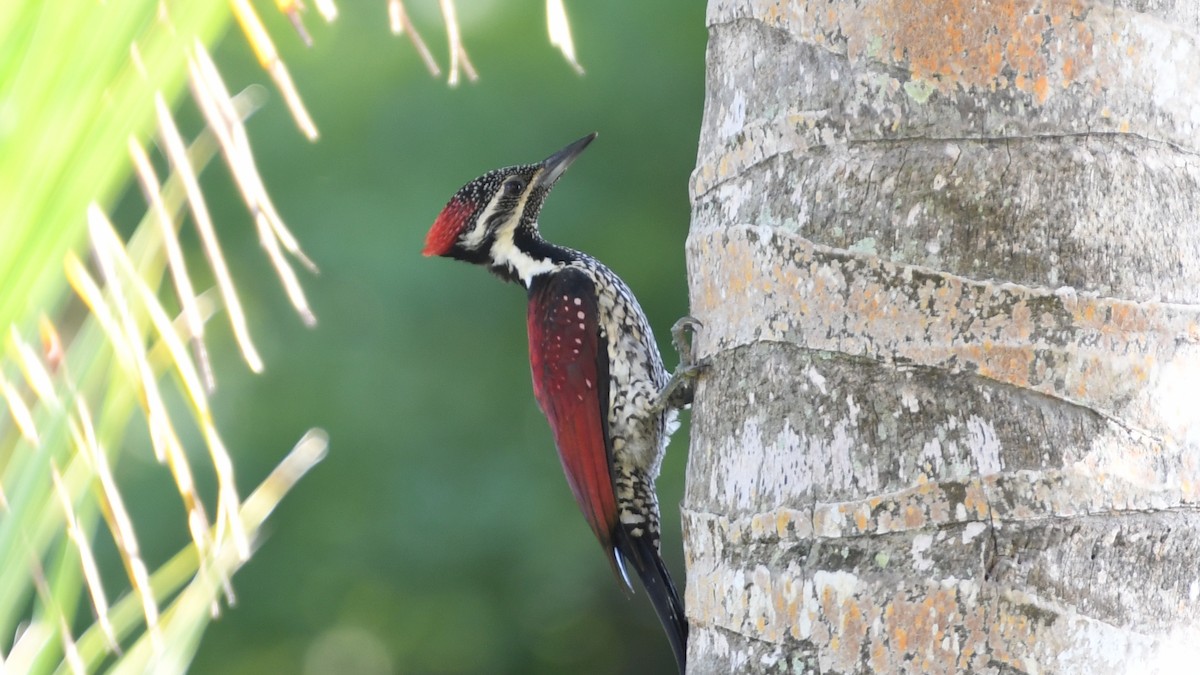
[(681, 387)]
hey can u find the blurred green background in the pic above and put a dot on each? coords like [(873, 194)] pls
[(439, 535)]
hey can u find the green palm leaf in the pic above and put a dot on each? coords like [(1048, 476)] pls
[(89, 348), (81, 89)]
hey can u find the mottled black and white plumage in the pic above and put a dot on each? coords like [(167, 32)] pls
[(597, 372)]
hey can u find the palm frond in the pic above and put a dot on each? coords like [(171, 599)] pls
[(84, 86), (90, 345)]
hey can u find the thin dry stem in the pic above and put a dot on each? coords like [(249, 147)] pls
[(458, 53), (226, 486), (115, 264), (162, 432), (135, 55), (400, 23), (90, 293), (53, 611), (328, 10), (268, 58), (177, 154), (176, 263), (560, 32), (35, 372), (218, 108), (112, 506), (20, 412), (293, 9), (52, 348), (266, 236), (70, 648), (91, 572)]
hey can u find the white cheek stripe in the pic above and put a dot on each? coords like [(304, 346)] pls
[(506, 229), (476, 236)]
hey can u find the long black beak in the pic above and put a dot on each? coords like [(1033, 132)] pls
[(556, 164)]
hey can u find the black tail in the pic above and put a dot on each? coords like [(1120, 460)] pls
[(648, 564)]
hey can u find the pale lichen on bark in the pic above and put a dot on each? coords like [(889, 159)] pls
[(947, 261)]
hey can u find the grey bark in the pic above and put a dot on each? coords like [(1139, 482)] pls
[(947, 258)]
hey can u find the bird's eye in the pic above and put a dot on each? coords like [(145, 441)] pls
[(513, 187)]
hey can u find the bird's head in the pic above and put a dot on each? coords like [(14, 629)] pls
[(487, 219)]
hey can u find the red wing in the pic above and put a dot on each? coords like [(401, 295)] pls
[(570, 381)]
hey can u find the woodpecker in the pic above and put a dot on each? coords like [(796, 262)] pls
[(597, 372)]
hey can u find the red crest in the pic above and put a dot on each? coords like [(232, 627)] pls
[(447, 227)]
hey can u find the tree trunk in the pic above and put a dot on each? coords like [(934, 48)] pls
[(947, 258)]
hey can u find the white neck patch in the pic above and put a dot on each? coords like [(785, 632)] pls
[(505, 252)]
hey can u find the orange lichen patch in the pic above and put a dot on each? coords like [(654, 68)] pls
[(956, 44), (880, 663), (1127, 324), (853, 631), (1013, 636), (707, 290), (914, 516), (1005, 363), (1041, 89), (829, 600), (861, 519), (786, 603), (943, 625), (1141, 369), (868, 302), (1088, 314), (992, 64), (848, 617), (1068, 71), (714, 170), (1019, 326), (915, 627), (827, 521), (782, 523), (973, 631), (976, 501), (963, 43), (927, 504), (1056, 343)]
